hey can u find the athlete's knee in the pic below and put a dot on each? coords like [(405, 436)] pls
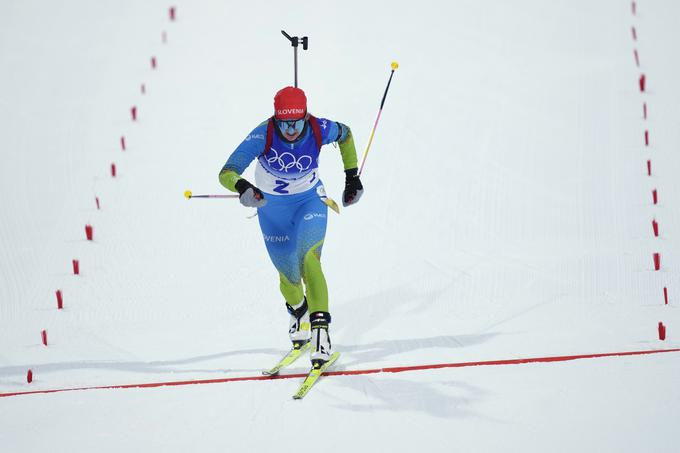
[(291, 291), (312, 256), (311, 264)]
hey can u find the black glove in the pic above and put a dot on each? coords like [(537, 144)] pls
[(353, 188), (249, 195)]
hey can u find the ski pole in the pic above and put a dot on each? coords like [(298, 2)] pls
[(395, 65), (188, 195)]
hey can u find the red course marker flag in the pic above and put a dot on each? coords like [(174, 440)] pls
[(655, 227), (642, 81), (76, 267), (29, 376), (662, 331), (655, 198), (44, 337), (665, 295), (60, 300), (113, 170), (657, 261)]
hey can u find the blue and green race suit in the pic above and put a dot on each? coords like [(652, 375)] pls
[(293, 222)]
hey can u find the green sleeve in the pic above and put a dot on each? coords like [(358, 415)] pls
[(348, 152), (228, 179)]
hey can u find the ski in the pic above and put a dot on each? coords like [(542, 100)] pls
[(314, 376), (287, 360)]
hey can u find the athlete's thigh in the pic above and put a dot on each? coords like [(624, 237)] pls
[(311, 218), (278, 231)]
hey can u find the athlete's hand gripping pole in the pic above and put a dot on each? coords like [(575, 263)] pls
[(395, 65)]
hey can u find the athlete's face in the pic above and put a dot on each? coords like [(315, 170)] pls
[(291, 129)]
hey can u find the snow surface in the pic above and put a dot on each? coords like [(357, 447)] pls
[(507, 214)]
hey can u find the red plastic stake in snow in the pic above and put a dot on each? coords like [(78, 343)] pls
[(642, 82), (646, 138), (113, 170), (122, 143), (133, 112), (154, 63), (665, 295), (96, 199), (655, 227), (634, 34), (173, 12), (29, 376), (644, 110), (662, 331), (655, 198), (44, 337), (88, 232), (76, 267), (637, 58), (649, 167), (60, 300), (657, 261)]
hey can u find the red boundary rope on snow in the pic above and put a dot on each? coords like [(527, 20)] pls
[(402, 369)]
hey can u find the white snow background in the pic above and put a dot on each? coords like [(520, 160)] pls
[(507, 214)]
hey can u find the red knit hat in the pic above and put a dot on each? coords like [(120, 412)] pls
[(290, 103)]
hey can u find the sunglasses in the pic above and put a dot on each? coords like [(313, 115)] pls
[(290, 127)]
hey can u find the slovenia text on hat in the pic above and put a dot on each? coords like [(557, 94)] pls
[(290, 103)]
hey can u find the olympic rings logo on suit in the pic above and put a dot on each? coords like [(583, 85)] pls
[(286, 161)]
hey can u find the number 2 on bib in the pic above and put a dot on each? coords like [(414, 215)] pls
[(281, 186)]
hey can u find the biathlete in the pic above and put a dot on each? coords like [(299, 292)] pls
[(288, 196)]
